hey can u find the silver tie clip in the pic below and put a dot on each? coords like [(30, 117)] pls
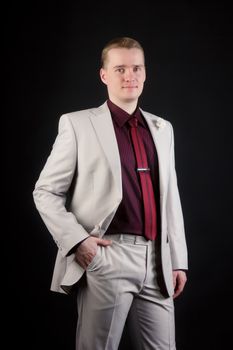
[(143, 169)]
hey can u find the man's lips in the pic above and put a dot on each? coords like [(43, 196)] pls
[(130, 87)]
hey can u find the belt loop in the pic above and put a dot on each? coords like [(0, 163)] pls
[(121, 238)]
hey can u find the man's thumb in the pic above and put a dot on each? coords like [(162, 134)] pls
[(104, 242)]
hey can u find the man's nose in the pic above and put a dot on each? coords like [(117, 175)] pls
[(129, 75)]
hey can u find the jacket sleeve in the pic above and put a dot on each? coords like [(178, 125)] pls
[(51, 189), (176, 232)]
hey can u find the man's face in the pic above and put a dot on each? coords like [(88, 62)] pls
[(124, 74)]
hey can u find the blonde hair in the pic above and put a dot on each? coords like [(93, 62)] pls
[(120, 42)]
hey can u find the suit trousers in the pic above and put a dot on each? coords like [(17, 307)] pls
[(122, 283)]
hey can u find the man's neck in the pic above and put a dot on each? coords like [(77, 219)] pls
[(128, 107)]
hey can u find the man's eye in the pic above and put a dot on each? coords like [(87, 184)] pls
[(120, 70)]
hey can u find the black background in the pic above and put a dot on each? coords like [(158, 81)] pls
[(52, 62)]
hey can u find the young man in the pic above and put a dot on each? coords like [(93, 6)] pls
[(121, 241)]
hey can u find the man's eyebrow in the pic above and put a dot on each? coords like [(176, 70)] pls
[(134, 65), (120, 66)]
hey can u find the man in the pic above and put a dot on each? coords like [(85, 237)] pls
[(121, 239)]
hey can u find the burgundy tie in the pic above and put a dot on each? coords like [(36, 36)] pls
[(150, 220)]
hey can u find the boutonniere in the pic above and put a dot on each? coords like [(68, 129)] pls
[(160, 123)]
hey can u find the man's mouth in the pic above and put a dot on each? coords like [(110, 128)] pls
[(130, 87)]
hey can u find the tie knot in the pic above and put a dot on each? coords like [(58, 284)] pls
[(133, 122)]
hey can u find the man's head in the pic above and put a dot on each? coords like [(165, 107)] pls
[(121, 42), (123, 70)]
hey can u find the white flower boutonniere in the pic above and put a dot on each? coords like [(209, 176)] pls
[(160, 123)]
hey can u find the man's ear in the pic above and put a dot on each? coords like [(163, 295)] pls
[(103, 75)]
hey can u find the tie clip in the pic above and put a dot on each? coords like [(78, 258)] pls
[(143, 169)]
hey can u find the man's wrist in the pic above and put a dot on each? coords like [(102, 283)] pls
[(73, 250)]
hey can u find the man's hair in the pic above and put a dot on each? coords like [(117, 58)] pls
[(121, 42)]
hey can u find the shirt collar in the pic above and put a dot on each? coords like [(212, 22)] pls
[(121, 117)]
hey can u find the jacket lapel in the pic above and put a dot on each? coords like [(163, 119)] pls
[(102, 122), (156, 129)]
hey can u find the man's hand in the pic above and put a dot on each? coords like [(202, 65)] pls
[(87, 250), (179, 280)]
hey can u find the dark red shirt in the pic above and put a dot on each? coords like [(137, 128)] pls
[(129, 215)]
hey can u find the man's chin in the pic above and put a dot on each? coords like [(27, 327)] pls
[(131, 98)]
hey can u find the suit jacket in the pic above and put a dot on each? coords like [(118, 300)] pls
[(85, 162)]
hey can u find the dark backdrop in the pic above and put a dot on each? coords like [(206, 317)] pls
[(52, 53)]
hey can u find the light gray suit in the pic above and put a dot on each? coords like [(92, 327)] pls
[(85, 160)]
